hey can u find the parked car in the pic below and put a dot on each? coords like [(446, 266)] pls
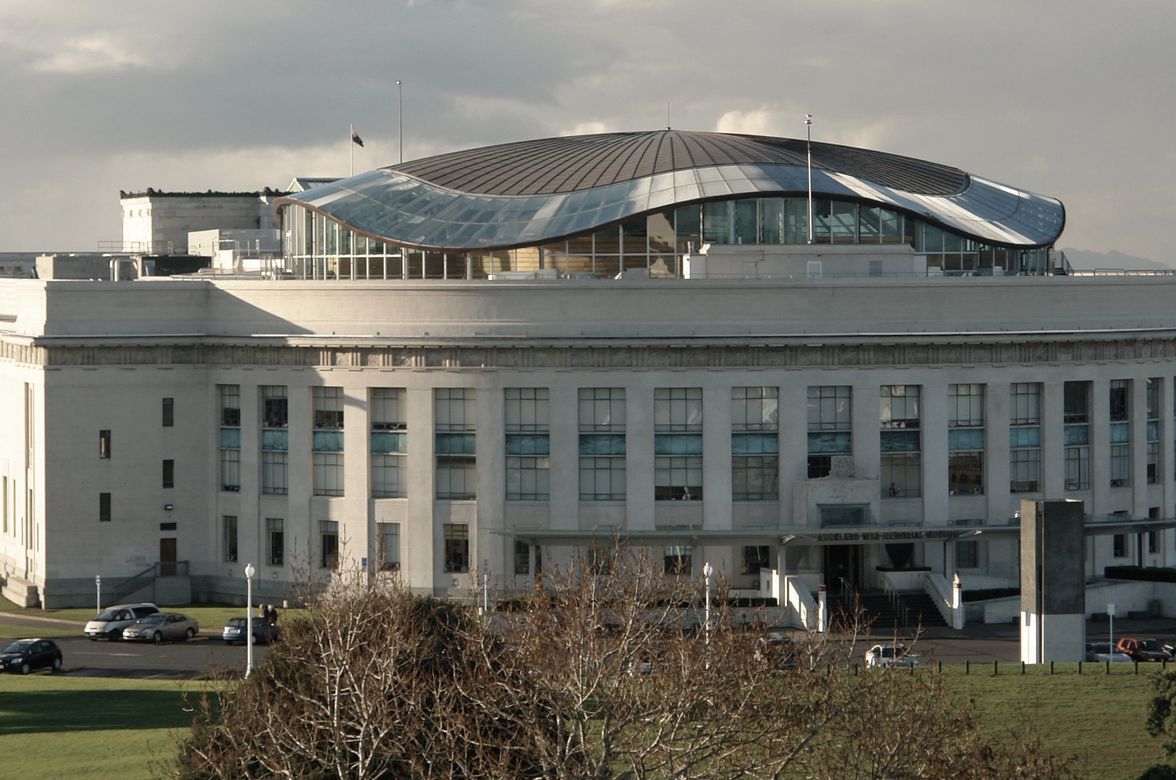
[(25, 655), (111, 621), (1103, 652), (1142, 649), (890, 655), (162, 626), (263, 632)]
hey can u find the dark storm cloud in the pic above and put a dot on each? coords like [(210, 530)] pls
[(1068, 98)]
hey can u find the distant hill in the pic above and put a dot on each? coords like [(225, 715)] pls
[(1083, 260)]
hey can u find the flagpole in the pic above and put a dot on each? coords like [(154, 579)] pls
[(351, 147), (808, 145), (400, 117)]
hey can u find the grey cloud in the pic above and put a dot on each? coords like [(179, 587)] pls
[(1068, 98)]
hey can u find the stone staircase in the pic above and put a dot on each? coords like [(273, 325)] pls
[(913, 610)]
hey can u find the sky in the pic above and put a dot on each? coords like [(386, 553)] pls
[(1068, 98)]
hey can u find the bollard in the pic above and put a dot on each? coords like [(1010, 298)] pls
[(1051, 668), (994, 670), (1079, 668), (1137, 668), (1022, 667), (1108, 667), (941, 667), (967, 666)]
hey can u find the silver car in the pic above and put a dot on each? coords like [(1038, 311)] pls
[(165, 626), (110, 622), (890, 655)]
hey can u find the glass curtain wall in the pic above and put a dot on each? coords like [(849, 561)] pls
[(319, 248)]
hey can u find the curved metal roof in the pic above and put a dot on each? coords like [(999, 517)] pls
[(533, 192)]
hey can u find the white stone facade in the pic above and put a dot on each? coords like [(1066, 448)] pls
[(77, 359)]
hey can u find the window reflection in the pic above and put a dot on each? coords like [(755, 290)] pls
[(319, 247)]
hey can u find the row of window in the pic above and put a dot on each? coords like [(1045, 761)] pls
[(678, 448), (320, 248)]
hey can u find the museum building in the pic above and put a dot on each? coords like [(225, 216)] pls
[(470, 367)]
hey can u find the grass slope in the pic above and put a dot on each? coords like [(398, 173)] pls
[(1096, 718), (57, 726)]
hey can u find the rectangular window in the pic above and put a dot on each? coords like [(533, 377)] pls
[(1120, 465), (528, 465), (1119, 545), (1120, 400), (967, 554), (275, 541), (677, 443), (901, 465), (457, 547), (1153, 542), (1077, 461), (274, 407), (602, 443), (755, 462), (522, 557), (328, 473), (104, 507), (965, 440), (1076, 432), (677, 560), (229, 403), (169, 473), (455, 443), (328, 544), (230, 469), (104, 445), (229, 538), (830, 427), (328, 407), (1025, 437), (1154, 467), (388, 553), (169, 412), (274, 466), (755, 558), (1120, 419), (327, 441), (389, 442)]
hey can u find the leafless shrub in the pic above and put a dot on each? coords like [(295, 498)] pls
[(590, 675)]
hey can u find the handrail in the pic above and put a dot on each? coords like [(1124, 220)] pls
[(134, 582), (155, 570)]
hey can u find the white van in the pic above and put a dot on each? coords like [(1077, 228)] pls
[(111, 621)]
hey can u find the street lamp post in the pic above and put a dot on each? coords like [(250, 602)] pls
[(249, 572), (707, 570), (1111, 630)]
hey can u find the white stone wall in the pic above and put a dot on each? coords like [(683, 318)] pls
[(93, 352)]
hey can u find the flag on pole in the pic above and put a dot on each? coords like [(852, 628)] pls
[(355, 139)]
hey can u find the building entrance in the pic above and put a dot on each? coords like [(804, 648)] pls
[(843, 565), (167, 557)]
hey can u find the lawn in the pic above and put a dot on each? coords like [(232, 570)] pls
[(59, 726), (1096, 718)]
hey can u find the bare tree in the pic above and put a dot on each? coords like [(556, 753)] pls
[(592, 674)]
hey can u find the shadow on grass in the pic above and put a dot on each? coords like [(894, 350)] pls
[(50, 711)]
